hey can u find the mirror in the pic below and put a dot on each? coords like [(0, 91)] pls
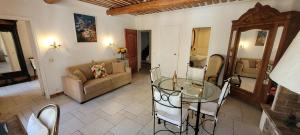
[(199, 48), (9, 61), (249, 56)]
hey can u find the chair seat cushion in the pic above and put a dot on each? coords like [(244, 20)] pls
[(36, 127), (209, 108), (174, 119)]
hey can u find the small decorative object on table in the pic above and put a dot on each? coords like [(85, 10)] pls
[(174, 80), (122, 51)]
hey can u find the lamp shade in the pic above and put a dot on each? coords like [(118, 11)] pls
[(287, 71)]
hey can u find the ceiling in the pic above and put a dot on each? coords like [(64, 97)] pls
[(141, 7)]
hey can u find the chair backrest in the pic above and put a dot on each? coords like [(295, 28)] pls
[(167, 102), (49, 116), (215, 64), (224, 93), (155, 73), (195, 74)]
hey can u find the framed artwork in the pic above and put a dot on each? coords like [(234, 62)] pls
[(261, 38), (85, 27)]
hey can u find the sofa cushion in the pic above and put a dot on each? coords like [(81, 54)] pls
[(99, 70), (85, 68), (120, 79), (252, 63), (246, 63), (93, 85), (118, 67), (77, 73), (108, 67), (250, 70)]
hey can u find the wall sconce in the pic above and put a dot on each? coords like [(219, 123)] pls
[(108, 42), (55, 46)]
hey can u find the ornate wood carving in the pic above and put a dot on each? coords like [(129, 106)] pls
[(268, 18)]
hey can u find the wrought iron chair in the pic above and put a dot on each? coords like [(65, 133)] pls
[(168, 108), (195, 74), (155, 74), (49, 116), (213, 108)]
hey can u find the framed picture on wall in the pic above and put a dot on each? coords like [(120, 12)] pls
[(85, 27), (261, 38)]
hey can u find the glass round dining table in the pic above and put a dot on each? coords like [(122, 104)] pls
[(191, 93)]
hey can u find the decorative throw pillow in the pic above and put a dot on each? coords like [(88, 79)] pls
[(118, 67), (36, 127), (79, 75), (99, 70)]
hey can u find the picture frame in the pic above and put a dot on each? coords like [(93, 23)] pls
[(85, 28), (261, 38)]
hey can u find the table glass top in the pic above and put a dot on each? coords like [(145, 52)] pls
[(190, 92)]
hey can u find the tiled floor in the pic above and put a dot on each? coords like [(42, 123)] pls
[(125, 111)]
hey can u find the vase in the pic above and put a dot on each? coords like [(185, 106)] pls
[(122, 56)]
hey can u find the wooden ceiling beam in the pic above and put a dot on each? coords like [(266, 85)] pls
[(151, 6)]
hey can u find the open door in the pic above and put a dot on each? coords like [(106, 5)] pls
[(131, 45)]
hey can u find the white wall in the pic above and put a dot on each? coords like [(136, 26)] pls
[(26, 40), (218, 17), (56, 21)]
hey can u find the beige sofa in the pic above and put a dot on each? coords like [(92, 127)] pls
[(82, 92), (248, 67)]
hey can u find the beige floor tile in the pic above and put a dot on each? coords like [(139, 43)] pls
[(126, 110), (70, 126), (126, 127), (98, 127)]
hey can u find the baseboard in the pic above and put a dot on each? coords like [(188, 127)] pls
[(56, 94)]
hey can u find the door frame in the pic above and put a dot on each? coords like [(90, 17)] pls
[(139, 44)]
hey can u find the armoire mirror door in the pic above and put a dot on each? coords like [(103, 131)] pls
[(257, 41), (12, 63)]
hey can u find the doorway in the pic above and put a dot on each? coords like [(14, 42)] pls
[(144, 50)]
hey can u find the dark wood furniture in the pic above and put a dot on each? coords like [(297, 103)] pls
[(14, 126), (15, 76), (261, 17)]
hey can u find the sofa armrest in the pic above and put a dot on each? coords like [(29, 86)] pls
[(239, 68), (128, 69), (73, 88)]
